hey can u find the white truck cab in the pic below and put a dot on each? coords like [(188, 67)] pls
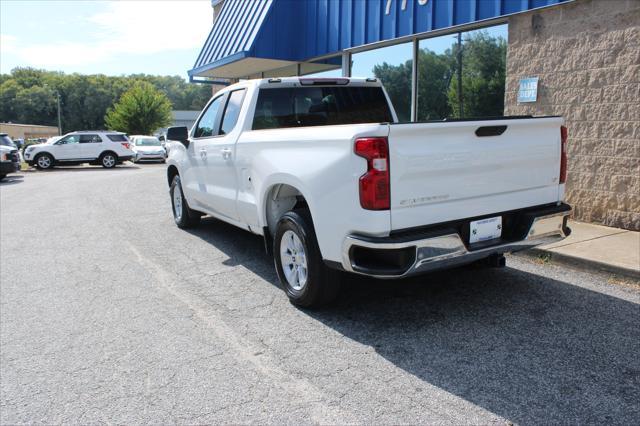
[(322, 169)]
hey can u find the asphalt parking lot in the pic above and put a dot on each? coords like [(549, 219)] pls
[(111, 314)]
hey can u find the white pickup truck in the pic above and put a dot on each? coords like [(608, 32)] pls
[(325, 172)]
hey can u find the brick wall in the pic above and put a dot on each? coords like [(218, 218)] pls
[(587, 57)]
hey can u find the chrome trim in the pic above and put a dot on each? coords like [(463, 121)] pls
[(449, 250)]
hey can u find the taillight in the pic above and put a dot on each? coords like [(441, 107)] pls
[(563, 154), (127, 145), (374, 184)]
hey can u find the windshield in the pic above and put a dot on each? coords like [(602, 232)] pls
[(6, 141), (148, 142)]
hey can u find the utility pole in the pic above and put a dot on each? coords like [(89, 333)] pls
[(59, 118), (460, 103), (58, 103)]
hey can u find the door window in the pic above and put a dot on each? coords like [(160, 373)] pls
[(207, 125), (232, 111), (71, 139), (90, 139)]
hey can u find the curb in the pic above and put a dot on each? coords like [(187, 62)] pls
[(583, 263)]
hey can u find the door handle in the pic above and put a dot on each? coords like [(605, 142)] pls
[(226, 153), (203, 153)]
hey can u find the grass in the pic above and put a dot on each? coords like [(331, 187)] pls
[(543, 258)]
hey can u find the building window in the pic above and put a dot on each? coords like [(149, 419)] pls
[(462, 75), (392, 65)]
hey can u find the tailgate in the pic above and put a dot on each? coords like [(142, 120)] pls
[(444, 171)]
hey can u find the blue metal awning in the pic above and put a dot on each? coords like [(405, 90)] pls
[(232, 35), (252, 36)]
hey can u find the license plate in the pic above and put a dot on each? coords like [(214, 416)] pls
[(485, 229)]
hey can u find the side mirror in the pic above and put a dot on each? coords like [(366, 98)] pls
[(180, 134)]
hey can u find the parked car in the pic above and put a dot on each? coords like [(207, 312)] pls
[(147, 148), (323, 170), (9, 156), (101, 147)]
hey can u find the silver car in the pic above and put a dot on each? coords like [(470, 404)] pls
[(147, 148)]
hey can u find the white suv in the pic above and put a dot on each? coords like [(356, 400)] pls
[(94, 147)]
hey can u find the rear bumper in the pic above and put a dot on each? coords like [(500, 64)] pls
[(446, 245)]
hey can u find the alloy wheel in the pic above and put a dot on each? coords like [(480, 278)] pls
[(108, 161), (44, 162), (293, 260), (177, 202)]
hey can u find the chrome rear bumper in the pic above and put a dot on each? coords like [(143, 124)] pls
[(448, 250)]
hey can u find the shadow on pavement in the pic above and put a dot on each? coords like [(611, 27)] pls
[(11, 180), (526, 347)]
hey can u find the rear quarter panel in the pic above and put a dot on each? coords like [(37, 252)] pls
[(321, 164)]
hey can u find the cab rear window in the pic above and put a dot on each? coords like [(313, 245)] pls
[(118, 138), (320, 106)]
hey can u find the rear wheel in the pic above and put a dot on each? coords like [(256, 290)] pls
[(182, 214), (44, 161), (2, 177), (307, 281), (108, 160)]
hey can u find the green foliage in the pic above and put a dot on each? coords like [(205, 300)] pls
[(483, 76), (140, 110), (483, 79), (34, 102), (28, 95), (397, 81), (435, 73)]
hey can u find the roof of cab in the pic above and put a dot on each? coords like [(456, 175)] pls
[(319, 81)]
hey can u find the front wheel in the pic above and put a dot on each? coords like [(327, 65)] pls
[(307, 281), (44, 161), (108, 160), (182, 214)]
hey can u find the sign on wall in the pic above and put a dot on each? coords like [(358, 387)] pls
[(528, 90)]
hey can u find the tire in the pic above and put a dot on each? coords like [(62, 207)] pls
[(307, 281), (2, 177), (108, 160), (184, 216), (44, 161)]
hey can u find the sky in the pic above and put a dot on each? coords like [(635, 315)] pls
[(103, 37)]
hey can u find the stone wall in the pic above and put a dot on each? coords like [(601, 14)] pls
[(587, 57)]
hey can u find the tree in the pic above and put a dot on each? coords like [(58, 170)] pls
[(397, 82), (483, 76), (26, 95), (434, 77), (140, 110), (483, 79), (34, 103)]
